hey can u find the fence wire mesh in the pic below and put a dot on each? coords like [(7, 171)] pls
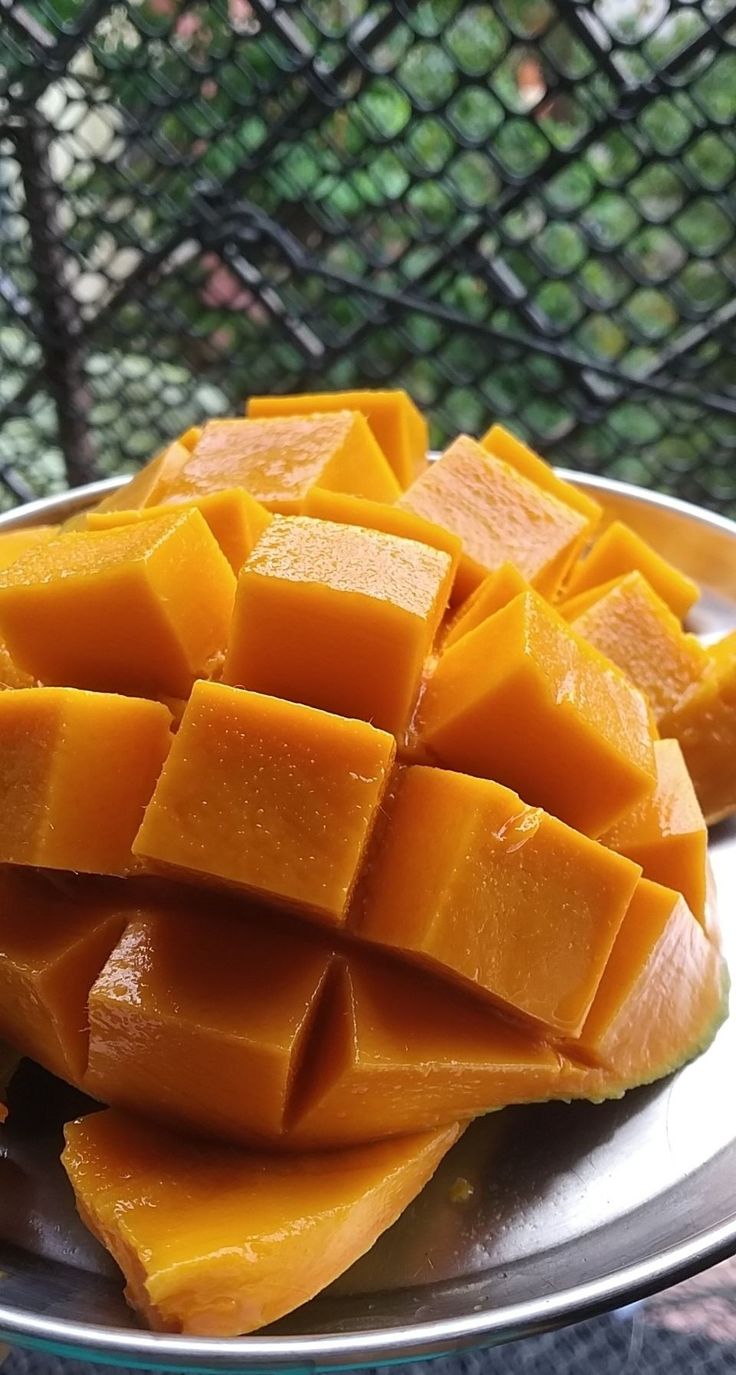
[(518, 210)]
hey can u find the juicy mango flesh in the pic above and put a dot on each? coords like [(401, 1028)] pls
[(336, 815)]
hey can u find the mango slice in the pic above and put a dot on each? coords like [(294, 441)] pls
[(619, 550), (55, 936), (661, 999), (704, 722), (502, 444), (630, 624), (76, 772), (142, 609), (509, 900), (395, 1051), (279, 461), (381, 515), (13, 543), (235, 518), (338, 617), (493, 593), (10, 675), (397, 424), (500, 516), (524, 700), (217, 1242), (200, 1017), (270, 796), (144, 487), (666, 832)]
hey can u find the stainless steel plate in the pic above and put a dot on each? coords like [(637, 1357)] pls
[(573, 1208)]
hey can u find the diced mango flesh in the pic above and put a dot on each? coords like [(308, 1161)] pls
[(524, 700), (494, 592), (382, 515), (704, 723), (398, 426), (235, 518), (218, 1242), (504, 445), (13, 543), (618, 551), (338, 617)]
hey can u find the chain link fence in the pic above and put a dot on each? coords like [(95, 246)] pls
[(521, 210)]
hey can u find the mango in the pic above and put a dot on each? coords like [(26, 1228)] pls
[(55, 935), (216, 1242), (337, 617), (631, 625), (10, 675), (142, 609), (661, 999), (272, 797), (502, 444), (13, 543), (467, 879), (666, 833), (381, 515), (201, 1015), (395, 1050), (235, 518), (279, 461), (144, 487), (704, 722), (500, 516), (618, 551), (396, 423), (76, 772), (493, 593), (525, 700)]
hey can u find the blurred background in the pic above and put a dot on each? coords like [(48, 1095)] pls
[(521, 210)]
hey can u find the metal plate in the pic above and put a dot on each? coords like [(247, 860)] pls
[(574, 1208)]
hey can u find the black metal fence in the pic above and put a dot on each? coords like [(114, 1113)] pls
[(519, 210)]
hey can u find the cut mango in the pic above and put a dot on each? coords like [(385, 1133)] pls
[(13, 543), (144, 487), (216, 1242), (381, 515), (631, 625), (469, 880), (10, 675), (618, 551), (493, 593), (662, 996), (666, 833), (235, 518), (142, 609), (279, 461), (500, 516), (338, 617), (395, 1051), (76, 772), (201, 1015), (704, 722), (270, 796), (502, 444), (55, 936), (524, 700), (399, 427)]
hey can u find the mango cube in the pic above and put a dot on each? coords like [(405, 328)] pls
[(469, 880), (235, 518), (704, 722), (619, 550), (395, 1050), (500, 516), (500, 442), (493, 593), (630, 624), (382, 515), (666, 833), (144, 487), (142, 609), (13, 543), (279, 461), (10, 675), (338, 617), (524, 700), (216, 1242), (269, 796), (201, 1015), (398, 426), (55, 935), (76, 772)]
